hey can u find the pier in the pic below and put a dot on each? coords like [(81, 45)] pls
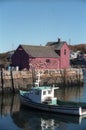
[(14, 80)]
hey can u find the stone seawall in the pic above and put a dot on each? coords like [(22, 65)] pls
[(24, 79)]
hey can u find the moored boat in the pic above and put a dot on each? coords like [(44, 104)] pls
[(42, 98)]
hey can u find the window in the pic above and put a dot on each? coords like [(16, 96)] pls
[(48, 60), (44, 92), (49, 91), (20, 49), (64, 51)]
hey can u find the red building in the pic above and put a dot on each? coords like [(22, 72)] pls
[(55, 55)]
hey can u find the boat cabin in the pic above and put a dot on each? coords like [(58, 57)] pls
[(43, 94)]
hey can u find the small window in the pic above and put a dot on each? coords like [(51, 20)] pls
[(64, 51), (49, 91), (20, 49), (48, 60), (44, 93)]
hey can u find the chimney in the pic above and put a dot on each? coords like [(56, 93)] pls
[(59, 40)]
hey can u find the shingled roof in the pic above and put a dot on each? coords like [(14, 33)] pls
[(56, 45), (44, 51), (40, 51)]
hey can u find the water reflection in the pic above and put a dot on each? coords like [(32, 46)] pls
[(33, 120), (8, 104), (70, 93)]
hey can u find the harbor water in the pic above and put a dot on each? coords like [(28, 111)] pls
[(14, 117)]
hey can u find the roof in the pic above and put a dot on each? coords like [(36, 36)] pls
[(47, 51), (42, 88), (57, 45), (40, 51)]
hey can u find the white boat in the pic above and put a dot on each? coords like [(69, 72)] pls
[(42, 98)]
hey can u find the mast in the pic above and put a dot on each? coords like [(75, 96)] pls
[(37, 83)]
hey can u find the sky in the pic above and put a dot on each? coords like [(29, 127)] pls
[(36, 22)]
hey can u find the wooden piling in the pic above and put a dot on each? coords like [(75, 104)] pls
[(13, 89), (2, 81)]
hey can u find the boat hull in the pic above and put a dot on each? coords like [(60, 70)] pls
[(76, 104), (52, 108)]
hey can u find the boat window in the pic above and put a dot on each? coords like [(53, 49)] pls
[(49, 91), (44, 92)]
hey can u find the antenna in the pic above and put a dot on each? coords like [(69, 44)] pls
[(12, 46)]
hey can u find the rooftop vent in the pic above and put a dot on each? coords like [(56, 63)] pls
[(59, 39)]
